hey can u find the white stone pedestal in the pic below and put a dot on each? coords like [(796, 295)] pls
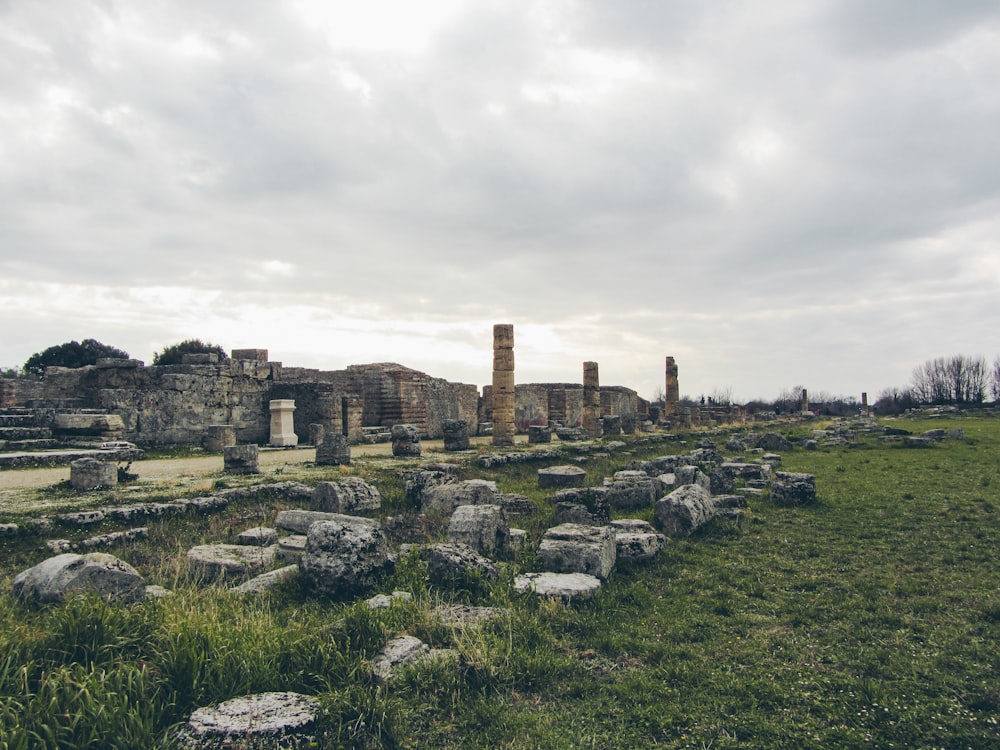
[(282, 423)]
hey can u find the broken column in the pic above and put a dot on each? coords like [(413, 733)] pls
[(456, 434), (405, 440), (218, 436), (673, 392), (333, 450), (864, 403), (240, 459), (805, 401), (591, 400), (503, 385), (283, 423)]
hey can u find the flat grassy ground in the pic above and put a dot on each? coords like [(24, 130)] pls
[(870, 619)]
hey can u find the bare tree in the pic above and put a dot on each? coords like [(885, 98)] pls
[(959, 379), (995, 384)]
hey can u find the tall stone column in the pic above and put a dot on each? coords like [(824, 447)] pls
[(503, 385), (673, 392), (591, 400), (805, 401), (864, 403)]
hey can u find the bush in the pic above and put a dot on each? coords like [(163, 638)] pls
[(72, 354), (173, 354)]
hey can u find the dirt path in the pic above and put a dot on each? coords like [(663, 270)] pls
[(162, 469)]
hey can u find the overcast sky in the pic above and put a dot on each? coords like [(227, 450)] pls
[(777, 194)]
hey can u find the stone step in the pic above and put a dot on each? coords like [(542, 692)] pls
[(39, 459), (28, 445), (25, 433), (23, 419)]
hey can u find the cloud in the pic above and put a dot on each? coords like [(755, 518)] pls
[(780, 194)]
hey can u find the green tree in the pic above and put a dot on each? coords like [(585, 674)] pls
[(173, 354), (72, 354)]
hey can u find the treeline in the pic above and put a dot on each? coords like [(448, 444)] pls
[(958, 380)]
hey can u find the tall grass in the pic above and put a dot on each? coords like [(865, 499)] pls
[(871, 619)]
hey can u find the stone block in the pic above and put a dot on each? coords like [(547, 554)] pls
[(90, 474), (345, 557), (444, 498), (456, 434), (538, 434), (240, 459), (484, 528), (561, 476), (283, 423), (405, 441), (350, 495), (575, 548), (258, 536), (334, 450), (263, 720), (218, 437), (561, 585), (793, 488), (218, 560), (55, 579)]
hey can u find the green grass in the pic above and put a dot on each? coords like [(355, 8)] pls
[(871, 619)]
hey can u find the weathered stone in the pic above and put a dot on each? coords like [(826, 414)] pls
[(113, 538), (538, 434), (772, 441), (611, 425), (90, 474), (258, 536), (290, 548), (793, 488), (264, 721), (158, 592), (240, 459), (571, 434), (8, 529), (283, 423), (502, 392), (450, 563), (561, 476), (688, 507), (594, 500), (405, 440), (299, 521), (64, 575), (216, 560), (81, 518), (444, 498), (636, 540), (384, 601), (692, 475), (266, 581), (456, 434), (771, 459), (516, 505), (350, 495), (417, 482), (562, 585), (632, 489), (464, 615), (109, 426), (217, 437), (333, 450), (345, 557), (576, 548), (397, 653), (910, 441), (484, 528)]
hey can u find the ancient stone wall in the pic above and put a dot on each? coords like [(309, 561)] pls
[(19, 391), (546, 403), (174, 405)]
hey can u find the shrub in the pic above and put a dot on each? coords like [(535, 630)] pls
[(72, 354), (173, 354)]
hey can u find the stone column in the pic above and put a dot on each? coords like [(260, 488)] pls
[(218, 436), (864, 403), (503, 385), (456, 434), (591, 400), (673, 393), (240, 459), (805, 401), (283, 423), (333, 450)]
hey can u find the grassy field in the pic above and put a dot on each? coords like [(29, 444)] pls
[(871, 619)]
